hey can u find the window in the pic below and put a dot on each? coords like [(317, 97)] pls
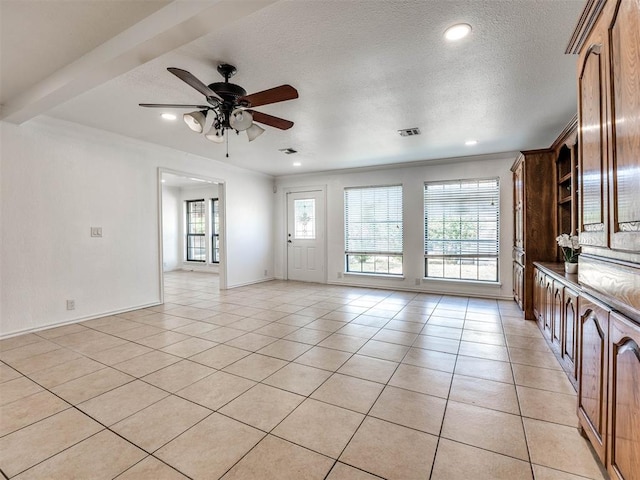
[(373, 229), (215, 231), (461, 229), (196, 226), (304, 211)]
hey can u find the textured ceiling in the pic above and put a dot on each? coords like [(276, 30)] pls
[(39, 37), (364, 69)]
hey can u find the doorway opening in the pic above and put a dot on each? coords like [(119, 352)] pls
[(192, 229)]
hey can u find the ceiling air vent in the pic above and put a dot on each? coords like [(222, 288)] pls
[(409, 132), (288, 151)]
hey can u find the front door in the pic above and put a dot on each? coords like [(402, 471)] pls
[(305, 236)]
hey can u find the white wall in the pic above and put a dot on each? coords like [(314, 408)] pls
[(412, 178), (59, 179), (171, 214)]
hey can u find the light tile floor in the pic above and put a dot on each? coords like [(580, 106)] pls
[(286, 380)]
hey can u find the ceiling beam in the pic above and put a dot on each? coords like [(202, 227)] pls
[(171, 27)]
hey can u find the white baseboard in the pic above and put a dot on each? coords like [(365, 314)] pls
[(76, 320)]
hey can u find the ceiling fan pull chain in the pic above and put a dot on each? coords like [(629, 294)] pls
[(227, 144)]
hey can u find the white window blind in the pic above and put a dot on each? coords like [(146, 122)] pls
[(373, 229), (462, 225)]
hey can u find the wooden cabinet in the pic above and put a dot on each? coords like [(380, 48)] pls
[(538, 296), (607, 40), (547, 324), (545, 205), (624, 399), (570, 315), (518, 283), (604, 341), (567, 184), (556, 306), (533, 173), (592, 372), (608, 103)]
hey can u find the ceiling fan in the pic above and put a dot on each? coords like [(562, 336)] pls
[(230, 105)]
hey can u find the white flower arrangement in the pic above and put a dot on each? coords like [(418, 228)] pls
[(569, 244)]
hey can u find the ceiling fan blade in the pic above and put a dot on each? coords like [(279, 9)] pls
[(270, 120), (191, 80), (173, 105), (273, 95)]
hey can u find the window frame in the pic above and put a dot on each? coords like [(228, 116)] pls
[(215, 230), (380, 256), (482, 255), (189, 235)]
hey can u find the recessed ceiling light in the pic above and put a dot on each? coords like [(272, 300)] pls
[(470, 143), (168, 116), (163, 180), (457, 32), (296, 164)]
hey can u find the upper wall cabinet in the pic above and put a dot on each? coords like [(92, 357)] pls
[(592, 148), (624, 100), (609, 134), (608, 42)]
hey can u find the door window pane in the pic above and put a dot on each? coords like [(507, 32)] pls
[(305, 219)]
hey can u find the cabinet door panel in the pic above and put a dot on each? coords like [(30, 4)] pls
[(624, 59), (592, 138), (624, 423), (570, 332), (518, 283), (592, 393), (537, 308), (518, 197), (548, 307), (558, 302)]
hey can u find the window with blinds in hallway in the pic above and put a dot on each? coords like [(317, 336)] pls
[(462, 229), (373, 230), (196, 225)]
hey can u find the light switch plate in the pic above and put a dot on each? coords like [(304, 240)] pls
[(96, 231)]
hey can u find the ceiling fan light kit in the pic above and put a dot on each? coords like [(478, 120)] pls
[(254, 131), (216, 135), (230, 105), (240, 119), (195, 120)]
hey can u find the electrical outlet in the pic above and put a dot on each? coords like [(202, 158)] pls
[(266, 272), (96, 231), (71, 304), (417, 281), (339, 274)]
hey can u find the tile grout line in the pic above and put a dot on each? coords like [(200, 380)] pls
[(513, 374), (446, 405)]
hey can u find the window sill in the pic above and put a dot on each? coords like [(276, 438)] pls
[(373, 275), (458, 281)]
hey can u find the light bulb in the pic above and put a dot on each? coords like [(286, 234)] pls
[(457, 32), (216, 135), (240, 119)]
